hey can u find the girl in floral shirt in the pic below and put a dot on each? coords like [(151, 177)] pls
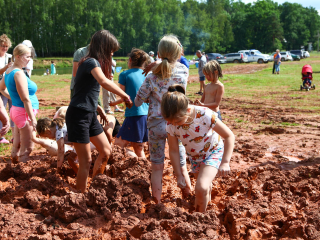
[(200, 131), (164, 74)]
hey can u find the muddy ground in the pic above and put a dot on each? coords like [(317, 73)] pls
[(272, 193)]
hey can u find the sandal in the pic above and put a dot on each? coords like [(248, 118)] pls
[(118, 110), (109, 112)]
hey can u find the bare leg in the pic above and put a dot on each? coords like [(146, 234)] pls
[(26, 142), (104, 148), (138, 149), (120, 142), (156, 184), (15, 145), (84, 157), (71, 161), (201, 86), (203, 186)]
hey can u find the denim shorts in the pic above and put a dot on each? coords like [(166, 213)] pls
[(202, 78)]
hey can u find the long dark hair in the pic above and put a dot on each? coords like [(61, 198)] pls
[(102, 44)]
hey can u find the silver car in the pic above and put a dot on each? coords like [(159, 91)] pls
[(236, 58), (285, 56)]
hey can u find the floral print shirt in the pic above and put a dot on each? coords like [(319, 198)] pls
[(153, 89), (198, 137)]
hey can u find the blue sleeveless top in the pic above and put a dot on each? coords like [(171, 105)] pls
[(12, 89)]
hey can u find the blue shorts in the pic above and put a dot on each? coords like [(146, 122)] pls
[(134, 129), (202, 78), (219, 115), (213, 160)]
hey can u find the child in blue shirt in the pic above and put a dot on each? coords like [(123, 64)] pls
[(134, 128)]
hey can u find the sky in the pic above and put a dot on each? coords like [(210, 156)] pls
[(304, 3)]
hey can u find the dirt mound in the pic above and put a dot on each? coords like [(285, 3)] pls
[(264, 202)]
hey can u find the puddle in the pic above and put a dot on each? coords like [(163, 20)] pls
[(293, 159)]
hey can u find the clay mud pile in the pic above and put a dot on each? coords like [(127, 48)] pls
[(264, 202)]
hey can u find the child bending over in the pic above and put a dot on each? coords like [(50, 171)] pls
[(213, 91), (54, 129), (201, 132)]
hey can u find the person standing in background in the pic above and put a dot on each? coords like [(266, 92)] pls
[(80, 53), (29, 67), (108, 97), (5, 63), (151, 56), (53, 68), (183, 60), (202, 78)]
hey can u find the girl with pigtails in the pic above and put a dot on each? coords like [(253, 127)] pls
[(201, 132), (164, 74)]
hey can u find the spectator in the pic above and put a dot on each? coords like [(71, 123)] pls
[(5, 63), (29, 67), (151, 55), (202, 78)]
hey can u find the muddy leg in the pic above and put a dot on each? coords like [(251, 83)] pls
[(156, 181), (84, 156), (71, 160), (15, 145), (26, 142), (139, 149), (203, 187), (104, 148)]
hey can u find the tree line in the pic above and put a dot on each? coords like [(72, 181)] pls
[(59, 27)]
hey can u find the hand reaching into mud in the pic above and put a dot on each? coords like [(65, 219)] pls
[(224, 170), (181, 182)]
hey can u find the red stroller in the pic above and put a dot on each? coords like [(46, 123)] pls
[(306, 78)]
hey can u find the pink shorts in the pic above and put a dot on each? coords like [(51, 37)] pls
[(20, 117)]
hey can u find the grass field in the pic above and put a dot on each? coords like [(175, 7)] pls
[(254, 90)]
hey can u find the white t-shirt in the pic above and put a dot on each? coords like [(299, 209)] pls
[(30, 66), (198, 137), (62, 133), (4, 60)]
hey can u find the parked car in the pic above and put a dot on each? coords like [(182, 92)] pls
[(285, 56), (297, 52), (306, 54), (236, 58), (255, 56), (295, 57), (217, 56)]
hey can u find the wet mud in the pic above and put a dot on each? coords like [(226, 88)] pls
[(273, 191)]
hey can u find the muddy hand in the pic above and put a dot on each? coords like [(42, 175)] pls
[(224, 170), (181, 182)]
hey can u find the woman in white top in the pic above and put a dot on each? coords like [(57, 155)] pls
[(5, 63)]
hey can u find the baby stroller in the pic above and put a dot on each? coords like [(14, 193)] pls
[(306, 78)]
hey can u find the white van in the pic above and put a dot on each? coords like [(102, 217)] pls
[(256, 56)]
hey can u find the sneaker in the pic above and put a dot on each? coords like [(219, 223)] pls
[(109, 112), (118, 110), (200, 93), (3, 140)]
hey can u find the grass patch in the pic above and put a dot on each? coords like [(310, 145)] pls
[(289, 124)]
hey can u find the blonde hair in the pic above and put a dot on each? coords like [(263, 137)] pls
[(4, 39), (211, 67), (61, 113), (44, 124), (174, 103), (170, 51), (20, 49)]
